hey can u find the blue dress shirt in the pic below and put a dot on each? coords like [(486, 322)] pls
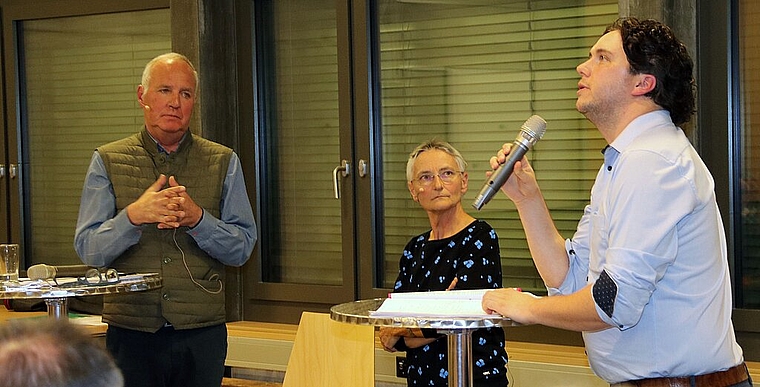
[(102, 235), (653, 234)]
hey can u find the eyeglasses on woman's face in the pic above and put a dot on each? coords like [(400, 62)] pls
[(447, 176)]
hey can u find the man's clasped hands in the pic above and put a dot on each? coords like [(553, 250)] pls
[(167, 206)]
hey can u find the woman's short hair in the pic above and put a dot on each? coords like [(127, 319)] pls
[(433, 144)]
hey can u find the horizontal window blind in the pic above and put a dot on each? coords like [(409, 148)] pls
[(471, 73), (749, 39), (80, 76)]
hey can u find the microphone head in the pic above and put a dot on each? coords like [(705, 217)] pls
[(41, 272), (530, 132), (533, 129)]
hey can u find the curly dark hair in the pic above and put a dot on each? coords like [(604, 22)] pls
[(652, 48)]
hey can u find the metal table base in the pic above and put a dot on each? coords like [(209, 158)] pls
[(460, 357), (58, 308)]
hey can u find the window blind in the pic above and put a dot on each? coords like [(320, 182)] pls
[(471, 74), (80, 75)]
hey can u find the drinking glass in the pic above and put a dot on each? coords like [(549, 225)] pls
[(8, 262)]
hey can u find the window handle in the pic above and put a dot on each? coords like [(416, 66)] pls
[(344, 170), (363, 167)]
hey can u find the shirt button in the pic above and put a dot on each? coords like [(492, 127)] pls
[(167, 260), (166, 296)]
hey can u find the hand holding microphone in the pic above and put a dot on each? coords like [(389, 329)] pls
[(530, 132)]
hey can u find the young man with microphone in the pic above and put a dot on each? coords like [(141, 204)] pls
[(645, 276)]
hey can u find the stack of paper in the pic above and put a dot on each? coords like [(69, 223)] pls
[(438, 304)]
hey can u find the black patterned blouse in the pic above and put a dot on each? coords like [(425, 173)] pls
[(473, 257)]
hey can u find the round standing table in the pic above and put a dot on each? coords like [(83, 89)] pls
[(56, 295), (458, 332)]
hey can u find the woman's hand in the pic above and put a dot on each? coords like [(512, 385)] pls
[(389, 337), (412, 338), (418, 341)]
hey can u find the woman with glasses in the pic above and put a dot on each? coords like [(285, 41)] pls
[(458, 252)]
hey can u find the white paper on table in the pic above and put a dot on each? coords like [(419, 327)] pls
[(452, 303)]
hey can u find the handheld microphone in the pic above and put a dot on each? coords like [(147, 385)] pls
[(43, 272), (530, 132)]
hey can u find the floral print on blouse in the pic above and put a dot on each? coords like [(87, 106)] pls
[(472, 256)]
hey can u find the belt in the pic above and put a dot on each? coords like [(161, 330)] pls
[(729, 377)]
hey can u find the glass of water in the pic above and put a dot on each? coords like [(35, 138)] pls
[(9, 262)]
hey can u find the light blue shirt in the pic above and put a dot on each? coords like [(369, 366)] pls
[(102, 235), (654, 227)]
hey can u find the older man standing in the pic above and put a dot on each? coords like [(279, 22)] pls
[(166, 201)]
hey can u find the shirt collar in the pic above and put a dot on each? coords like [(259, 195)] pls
[(633, 130), (610, 156), (160, 148), (640, 125)]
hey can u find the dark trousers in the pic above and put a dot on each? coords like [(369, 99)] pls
[(169, 357)]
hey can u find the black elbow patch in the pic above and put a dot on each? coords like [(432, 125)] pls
[(605, 292)]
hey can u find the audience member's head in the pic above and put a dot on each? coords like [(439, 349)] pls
[(53, 353)]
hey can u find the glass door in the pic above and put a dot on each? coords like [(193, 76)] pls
[(305, 154)]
